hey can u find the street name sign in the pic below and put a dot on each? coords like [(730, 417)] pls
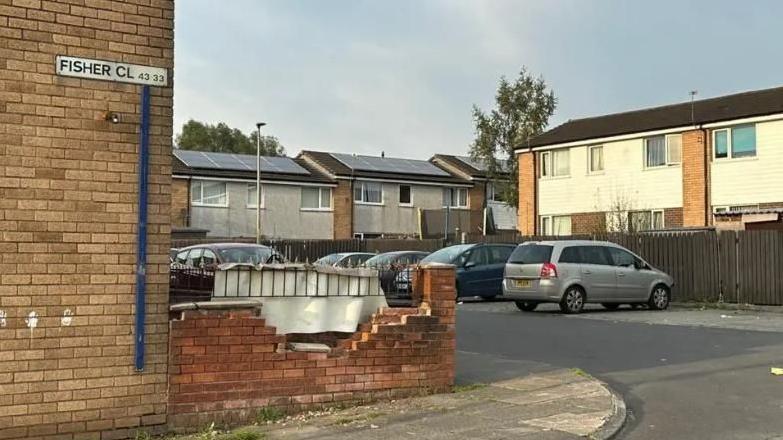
[(111, 71)]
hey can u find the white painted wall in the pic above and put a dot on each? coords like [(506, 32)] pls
[(391, 218), (281, 216), (624, 178), (748, 181)]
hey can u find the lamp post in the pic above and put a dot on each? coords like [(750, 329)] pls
[(258, 182)]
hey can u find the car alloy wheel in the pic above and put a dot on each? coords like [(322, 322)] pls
[(659, 299), (573, 300)]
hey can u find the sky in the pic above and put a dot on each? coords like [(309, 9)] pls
[(401, 76)]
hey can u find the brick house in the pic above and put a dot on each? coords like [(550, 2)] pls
[(382, 196), (217, 192), (503, 215), (713, 162)]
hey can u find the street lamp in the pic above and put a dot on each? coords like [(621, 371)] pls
[(258, 182)]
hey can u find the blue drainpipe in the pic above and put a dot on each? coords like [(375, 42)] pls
[(141, 231)]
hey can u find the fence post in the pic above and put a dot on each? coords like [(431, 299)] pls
[(736, 266)]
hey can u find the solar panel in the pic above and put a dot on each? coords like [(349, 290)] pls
[(389, 165), (480, 165), (238, 162)]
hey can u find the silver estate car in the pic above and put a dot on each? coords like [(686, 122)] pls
[(572, 273)]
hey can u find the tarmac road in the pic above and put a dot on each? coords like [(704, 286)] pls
[(684, 374)]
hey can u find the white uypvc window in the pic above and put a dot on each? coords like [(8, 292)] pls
[(251, 195), (556, 163), (595, 159), (660, 151), (555, 225), (647, 220), (316, 199), (455, 197), (734, 142), (208, 193), (368, 192)]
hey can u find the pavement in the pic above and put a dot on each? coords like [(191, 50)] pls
[(684, 373), (557, 405)]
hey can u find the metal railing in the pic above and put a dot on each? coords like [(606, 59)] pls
[(288, 280)]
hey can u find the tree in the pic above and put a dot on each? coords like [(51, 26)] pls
[(221, 138), (522, 111)]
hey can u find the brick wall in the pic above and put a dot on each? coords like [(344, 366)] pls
[(343, 210), (226, 365), (527, 211), (673, 217), (476, 195), (588, 223), (180, 203), (68, 191), (694, 178)]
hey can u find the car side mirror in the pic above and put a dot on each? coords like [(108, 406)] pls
[(639, 265), (469, 264)]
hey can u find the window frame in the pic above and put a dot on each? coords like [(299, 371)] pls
[(667, 160), (459, 190), (730, 142), (548, 166), (251, 203), (409, 203), (361, 186), (200, 203), (550, 220), (320, 190), (652, 213), (590, 169)]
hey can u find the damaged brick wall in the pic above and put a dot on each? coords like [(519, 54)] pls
[(227, 364)]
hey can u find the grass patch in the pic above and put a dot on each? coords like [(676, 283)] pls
[(469, 387), (580, 372), (346, 420), (243, 434), (142, 435), (268, 414)]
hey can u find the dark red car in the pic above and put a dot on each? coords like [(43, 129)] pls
[(193, 267)]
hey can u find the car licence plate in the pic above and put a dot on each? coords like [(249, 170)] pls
[(523, 284)]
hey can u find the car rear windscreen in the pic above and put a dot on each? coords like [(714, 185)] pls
[(531, 254)]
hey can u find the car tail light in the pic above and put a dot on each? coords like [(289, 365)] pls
[(548, 270)]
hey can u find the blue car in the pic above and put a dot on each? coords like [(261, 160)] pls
[(479, 267)]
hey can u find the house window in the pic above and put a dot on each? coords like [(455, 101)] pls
[(660, 151), (555, 163), (406, 195), (735, 208), (368, 192), (208, 193), (596, 158), (251, 195), (646, 220), (555, 225), (455, 197), (315, 198), (494, 192), (735, 142)]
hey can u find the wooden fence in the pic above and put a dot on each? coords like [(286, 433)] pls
[(728, 266)]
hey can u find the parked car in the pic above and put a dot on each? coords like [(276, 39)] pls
[(479, 267), (193, 266), (344, 259), (390, 265), (572, 273)]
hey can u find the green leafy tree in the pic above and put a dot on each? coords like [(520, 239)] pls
[(522, 111), (221, 138)]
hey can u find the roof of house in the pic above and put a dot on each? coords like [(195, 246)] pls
[(386, 168), (466, 165), (243, 166), (723, 108)]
